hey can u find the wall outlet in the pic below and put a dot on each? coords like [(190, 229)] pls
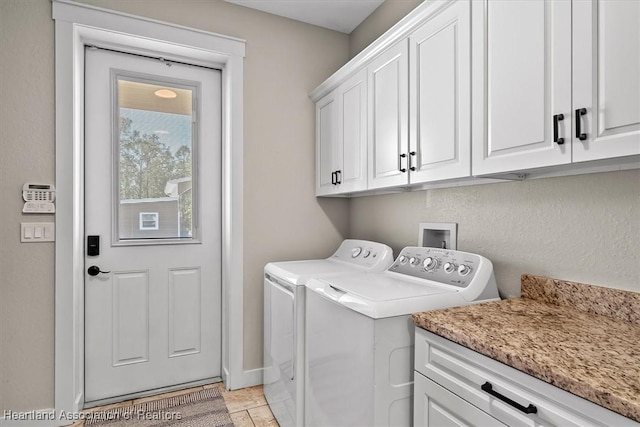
[(442, 235), (35, 232)]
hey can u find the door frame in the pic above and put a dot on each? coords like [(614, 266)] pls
[(77, 25)]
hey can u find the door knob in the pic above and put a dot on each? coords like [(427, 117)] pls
[(94, 270)]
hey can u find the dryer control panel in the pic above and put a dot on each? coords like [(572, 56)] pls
[(364, 253), (446, 266)]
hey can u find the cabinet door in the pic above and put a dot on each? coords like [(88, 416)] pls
[(436, 406), (606, 78), (440, 98), (352, 134), (326, 141), (388, 113), (521, 79)]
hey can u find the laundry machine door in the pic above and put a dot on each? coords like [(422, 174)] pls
[(339, 364), (279, 350)]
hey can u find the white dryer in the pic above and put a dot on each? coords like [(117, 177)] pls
[(359, 333), (284, 319)]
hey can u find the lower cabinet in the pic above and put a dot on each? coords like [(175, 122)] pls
[(455, 386), (437, 406)]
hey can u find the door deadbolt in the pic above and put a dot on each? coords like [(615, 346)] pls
[(94, 270)]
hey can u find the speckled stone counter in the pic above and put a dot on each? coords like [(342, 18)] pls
[(581, 338)]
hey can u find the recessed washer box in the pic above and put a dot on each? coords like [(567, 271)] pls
[(442, 235)]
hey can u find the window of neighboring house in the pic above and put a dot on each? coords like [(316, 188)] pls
[(148, 220)]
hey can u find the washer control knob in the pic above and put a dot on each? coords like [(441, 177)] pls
[(430, 263), (463, 270), (403, 259), (355, 252), (366, 253), (414, 261), (449, 267)]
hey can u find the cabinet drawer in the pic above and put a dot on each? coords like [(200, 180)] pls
[(436, 406), (463, 372)]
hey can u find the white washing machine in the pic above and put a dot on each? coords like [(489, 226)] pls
[(359, 333), (284, 319)]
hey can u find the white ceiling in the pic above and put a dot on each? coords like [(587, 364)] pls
[(339, 15)]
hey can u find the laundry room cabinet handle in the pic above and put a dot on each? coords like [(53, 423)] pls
[(557, 118), (411, 156), (579, 113), (400, 168), (338, 177), (333, 178), (487, 387)]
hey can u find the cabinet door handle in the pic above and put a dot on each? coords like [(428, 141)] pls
[(580, 112), (338, 177), (557, 118), (402, 156), (531, 409), (411, 155), (333, 178)]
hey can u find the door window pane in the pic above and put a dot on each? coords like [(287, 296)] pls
[(155, 160)]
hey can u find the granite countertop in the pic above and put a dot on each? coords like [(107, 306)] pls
[(581, 338)]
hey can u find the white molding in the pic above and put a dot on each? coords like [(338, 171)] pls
[(398, 32), (75, 26)]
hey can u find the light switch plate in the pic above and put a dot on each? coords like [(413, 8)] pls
[(36, 232)]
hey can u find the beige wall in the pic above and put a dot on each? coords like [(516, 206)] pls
[(285, 60), (27, 155), (584, 228)]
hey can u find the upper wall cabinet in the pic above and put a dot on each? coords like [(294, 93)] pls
[(341, 138), (389, 118), (440, 96), (521, 81), (523, 56), (606, 79), (432, 142), (461, 90)]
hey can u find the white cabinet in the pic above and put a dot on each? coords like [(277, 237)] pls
[(431, 141), (456, 386), (461, 89), (521, 79), (527, 101), (437, 406), (440, 96), (326, 144), (606, 78), (341, 144), (388, 117)]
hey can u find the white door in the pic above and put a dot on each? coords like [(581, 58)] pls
[(153, 196), (440, 98), (521, 80), (352, 134), (606, 79), (326, 141), (341, 138), (388, 78)]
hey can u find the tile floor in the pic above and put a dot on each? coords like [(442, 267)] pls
[(247, 406)]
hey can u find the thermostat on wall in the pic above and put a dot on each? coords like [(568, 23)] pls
[(38, 198)]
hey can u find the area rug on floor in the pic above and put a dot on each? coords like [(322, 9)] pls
[(203, 408)]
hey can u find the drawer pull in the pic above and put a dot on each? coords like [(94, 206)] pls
[(531, 409)]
